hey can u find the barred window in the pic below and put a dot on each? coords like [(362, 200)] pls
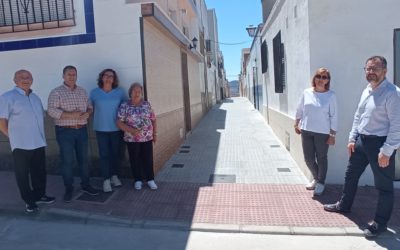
[(279, 63), (27, 15)]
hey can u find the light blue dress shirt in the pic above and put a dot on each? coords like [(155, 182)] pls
[(105, 106), (378, 113), (25, 116)]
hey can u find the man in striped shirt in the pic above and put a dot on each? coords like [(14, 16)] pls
[(68, 105)]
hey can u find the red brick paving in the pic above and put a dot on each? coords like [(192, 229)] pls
[(243, 204)]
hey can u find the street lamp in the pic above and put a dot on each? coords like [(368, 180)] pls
[(251, 30), (194, 42)]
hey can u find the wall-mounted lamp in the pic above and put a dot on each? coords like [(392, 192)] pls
[(194, 43), (251, 30)]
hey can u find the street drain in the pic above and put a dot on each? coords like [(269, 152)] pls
[(184, 151), (100, 198), (222, 178), (275, 146), (177, 165), (283, 169), (185, 146)]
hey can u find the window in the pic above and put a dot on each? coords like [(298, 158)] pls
[(279, 63), (208, 46), (27, 15), (397, 57), (264, 57)]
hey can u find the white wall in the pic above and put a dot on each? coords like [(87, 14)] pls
[(295, 36), (339, 35), (117, 46), (342, 37)]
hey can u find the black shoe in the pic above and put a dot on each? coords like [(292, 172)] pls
[(374, 229), (336, 208), (30, 208), (89, 190), (68, 196), (46, 200)]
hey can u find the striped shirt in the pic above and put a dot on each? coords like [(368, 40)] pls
[(63, 99)]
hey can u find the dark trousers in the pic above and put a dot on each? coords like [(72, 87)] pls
[(30, 172), (141, 160), (109, 144), (315, 151), (73, 142), (366, 152)]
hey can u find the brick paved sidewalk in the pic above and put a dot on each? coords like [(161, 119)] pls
[(234, 204)]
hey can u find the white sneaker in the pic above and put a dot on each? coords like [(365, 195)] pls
[(311, 185), (138, 185), (115, 181), (152, 185), (107, 186), (319, 189)]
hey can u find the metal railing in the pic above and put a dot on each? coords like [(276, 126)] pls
[(26, 15)]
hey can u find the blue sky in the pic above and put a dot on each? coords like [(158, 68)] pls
[(233, 16)]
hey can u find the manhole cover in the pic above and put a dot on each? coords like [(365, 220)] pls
[(283, 169), (177, 165), (222, 178), (100, 198)]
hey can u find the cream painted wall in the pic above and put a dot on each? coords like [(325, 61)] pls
[(163, 70)]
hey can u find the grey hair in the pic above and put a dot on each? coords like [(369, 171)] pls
[(134, 85)]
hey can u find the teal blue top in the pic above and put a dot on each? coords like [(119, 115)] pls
[(105, 105)]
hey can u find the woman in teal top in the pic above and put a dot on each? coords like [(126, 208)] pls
[(106, 100)]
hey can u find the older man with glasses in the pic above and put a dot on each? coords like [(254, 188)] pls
[(373, 140)]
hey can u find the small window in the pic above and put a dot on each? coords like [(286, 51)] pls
[(264, 57), (28, 15), (279, 63), (208, 46)]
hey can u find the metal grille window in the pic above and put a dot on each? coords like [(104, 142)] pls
[(279, 63), (27, 15), (264, 57)]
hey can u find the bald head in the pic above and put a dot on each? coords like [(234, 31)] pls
[(23, 79)]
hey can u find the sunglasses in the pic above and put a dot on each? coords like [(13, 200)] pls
[(321, 77)]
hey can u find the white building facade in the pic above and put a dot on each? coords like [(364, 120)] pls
[(301, 36)]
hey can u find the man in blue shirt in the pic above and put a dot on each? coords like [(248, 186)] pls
[(373, 140), (22, 121)]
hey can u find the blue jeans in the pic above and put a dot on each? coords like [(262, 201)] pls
[(366, 152), (109, 144), (70, 140)]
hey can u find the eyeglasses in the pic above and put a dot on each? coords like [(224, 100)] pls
[(321, 77), (108, 75), (373, 69)]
